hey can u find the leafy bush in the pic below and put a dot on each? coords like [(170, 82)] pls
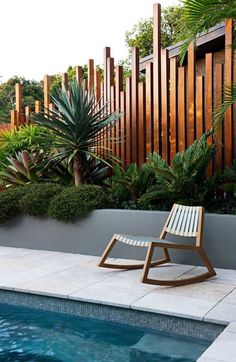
[(185, 180), (230, 178), (76, 202), (37, 197), (127, 186), (9, 204)]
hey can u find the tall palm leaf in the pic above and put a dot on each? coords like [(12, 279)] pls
[(80, 126), (200, 15)]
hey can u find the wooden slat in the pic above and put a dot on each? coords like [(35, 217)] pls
[(182, 108), (79, 74), (209, 101), (46, 93), (157, 76), (112, 143), (27, 114), (18, 91), (119, 88), (128, 120), (173, 108), (199, 106), (106, 55), (90, 76), (110, 97), (13, 118), (218, 100), (234, 107), (191, 95), (135, 79), (98, 78), (123, 129), (37, 106), (142, 123), (228, 142), (165, 103), (64, 81), (149, 108)]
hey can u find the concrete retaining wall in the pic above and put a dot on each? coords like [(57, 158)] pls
[(91, 234)]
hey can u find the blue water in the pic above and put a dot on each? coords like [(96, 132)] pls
[(31, 335)]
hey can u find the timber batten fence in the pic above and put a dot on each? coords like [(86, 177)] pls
[(166, 112)]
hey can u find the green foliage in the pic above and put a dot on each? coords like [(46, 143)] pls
[(76, 202), (77, 127), (31, 91), (184, 181), (24, 168), (28, 138), (126, 186), (141, 35), (9, 204), (36, 198), (230, 178), (200, 15)]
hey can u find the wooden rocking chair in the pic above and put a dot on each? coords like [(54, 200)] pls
[(184, 221)]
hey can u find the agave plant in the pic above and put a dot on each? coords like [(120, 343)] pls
[(185, 180), (24, 168), (80, 125)]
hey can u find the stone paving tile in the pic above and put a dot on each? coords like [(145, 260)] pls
[(231, 297), (222, 313)]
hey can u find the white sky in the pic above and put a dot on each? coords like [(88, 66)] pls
[(39, 37)]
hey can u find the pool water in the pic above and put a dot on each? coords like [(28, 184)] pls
[(32, 335)]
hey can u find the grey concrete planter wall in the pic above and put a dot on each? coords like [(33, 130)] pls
[(91, 234)]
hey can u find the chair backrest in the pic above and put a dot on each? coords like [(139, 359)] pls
[(186, 221)]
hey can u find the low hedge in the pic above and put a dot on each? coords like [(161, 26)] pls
[(76, 201), (9, 204), (36, 200)]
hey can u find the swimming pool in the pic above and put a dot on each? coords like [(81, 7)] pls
[(34, 335)]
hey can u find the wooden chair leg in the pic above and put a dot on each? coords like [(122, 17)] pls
[(178, 282)]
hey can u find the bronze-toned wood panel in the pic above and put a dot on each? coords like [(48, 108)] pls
[(157, 77), (218, 100), (64, 81), (119, 88), (128, 115), (37, 106), (209, 100), (165, 103), (228, 136), (199, 106), (112, 143), (142, 123), (191, 95), (134, 125), (182, 108), (13, 118), (46, 93), (149, 108), (18, 93), (79, 74), (97, 87), (123, 129), (27, 114), (90, 76), (106, 55), (173, 108)]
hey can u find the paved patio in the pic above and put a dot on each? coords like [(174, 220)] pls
[(77, 277)]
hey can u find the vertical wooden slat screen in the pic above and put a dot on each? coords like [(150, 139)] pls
[(199, 106), (97, 85), (90, 76), (149, 108), (218, 100), (13, 118), (106, 55), (110, 84), (119, 88), (191, 95), (134, 124), (165, 104), (37, 106), (112, 143), (64, 81), (228, 144), (46, 91), (182, 108), (27, 114), (209, 100), (79, 74), (157, 76), (18, 89), (173, 108), (142, 123), (128, 120), (122, 129)]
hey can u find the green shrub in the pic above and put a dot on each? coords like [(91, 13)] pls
[(37, 197), (9, 204), (76, 201)]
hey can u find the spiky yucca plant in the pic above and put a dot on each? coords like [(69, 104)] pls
[(80, 126), (185, 180)]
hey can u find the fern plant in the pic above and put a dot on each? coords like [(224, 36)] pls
[(184, 181)]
